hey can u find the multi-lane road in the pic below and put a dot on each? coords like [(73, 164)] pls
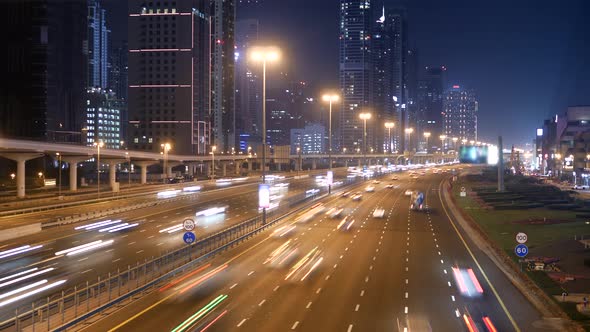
[(383, 274), (146, 240)]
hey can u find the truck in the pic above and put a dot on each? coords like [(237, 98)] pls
[(417, 201)]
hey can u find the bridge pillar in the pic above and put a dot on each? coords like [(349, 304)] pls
[(143, 165), (314, 164), (21, 159), (223, 169), (249, 165), (237, 166), (113, 174), (278, 167), (345, 163), (359, 162), (73, 162)]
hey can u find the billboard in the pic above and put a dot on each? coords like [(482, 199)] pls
[(483, 155), (263, 196)]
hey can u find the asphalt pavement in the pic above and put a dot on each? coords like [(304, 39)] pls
[(387, 274)]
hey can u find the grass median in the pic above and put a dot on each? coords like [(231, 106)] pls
[(545, 227)]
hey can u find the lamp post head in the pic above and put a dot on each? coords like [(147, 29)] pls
[(330, 97), (455, 139), (443, 137), (264, 54), (427, 134), (389, 125), (409, 130), (365, 116)]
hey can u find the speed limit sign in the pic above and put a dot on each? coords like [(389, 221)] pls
[(188, 225), (521, 238)]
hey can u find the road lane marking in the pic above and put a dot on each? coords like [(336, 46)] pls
[(275, 289), (362, 292), (85, 271), (357, 307), (295, 325), (249, 274), (116, 260), (406, 310), (130, 243), (82, 259), (151, 236), (318, 291), (308, 305), (139, 252), (261, 303), (349, 328), (406, 295), (327, 277), (241, 322)]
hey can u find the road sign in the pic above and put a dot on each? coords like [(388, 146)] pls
[(463, 193), (521, 237), (263, 196), (188, 225), (330, 177), (189, 237), (521, 250)]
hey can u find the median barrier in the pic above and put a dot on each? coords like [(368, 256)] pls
[(15, 232)]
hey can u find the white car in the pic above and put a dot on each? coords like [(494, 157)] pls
[(580, 187), (379, 213), (370, 189), (376, 181), (408, 192), (357, 197), (390, 186)]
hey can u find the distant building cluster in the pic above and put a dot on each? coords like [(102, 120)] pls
[(562, 146), (379, 74)]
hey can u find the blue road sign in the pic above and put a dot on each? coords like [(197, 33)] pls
[(521, 250), (189, 237)]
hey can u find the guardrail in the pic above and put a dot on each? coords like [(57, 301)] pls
[(71, 306)]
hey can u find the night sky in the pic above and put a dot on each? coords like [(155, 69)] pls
[(524, 58)]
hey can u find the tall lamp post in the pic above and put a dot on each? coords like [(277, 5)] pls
[(365, 117), (166, 147), (389, 126), (409, 131), (98, 145), (427, 136), (128, 157), (442, 147), (59, 166), (264, 55), (455, 139), (330, 98), (213, 149)]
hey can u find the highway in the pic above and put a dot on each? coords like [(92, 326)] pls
[(381, 275), (148, 239)]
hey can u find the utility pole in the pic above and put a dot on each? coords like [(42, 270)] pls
[(500, 165)]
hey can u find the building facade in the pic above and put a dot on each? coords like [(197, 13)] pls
[(169, 75), (460, 108), (223, 13), (356, 21), (98, 46), (430, 106), (309, 140), (103, 118)]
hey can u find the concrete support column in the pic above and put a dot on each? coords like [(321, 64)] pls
[(278, 167), (113, 174), (314, 164), (359, 163), (143, 165), (21, 159), (346, 163), (73, 162), (223, 169), (191, 169), (249, 165), (237, 166)]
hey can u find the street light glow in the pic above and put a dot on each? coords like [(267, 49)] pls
[(427, 134), (330, 97), (365, 116), (409, 130), (389, 125), (263, 54)]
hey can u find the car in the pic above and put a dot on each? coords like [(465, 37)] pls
[(345, 194), (305, 267), (580, 187), (345, 224), (376, 181), (370, 189), (283, 255), (467, 282), (408, 192), (390, 186), (356, 197), (379, 213), (334, 212), (395, 178), (178, 179)]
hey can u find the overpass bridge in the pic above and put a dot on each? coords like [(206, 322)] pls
[(22, 151)]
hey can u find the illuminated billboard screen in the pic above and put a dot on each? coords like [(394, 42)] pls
[(473, 154)]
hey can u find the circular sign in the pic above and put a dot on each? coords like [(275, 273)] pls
[(188, 225), (521, 237), (189, 237), (521, 250), (462, 189)]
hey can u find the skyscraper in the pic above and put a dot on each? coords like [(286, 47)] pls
[(169, 75), (399, 52), (223, 13), (355, 71), (98, 46), (103, 118), (248, 86), (430, 104), (460, 114), (43, 69)]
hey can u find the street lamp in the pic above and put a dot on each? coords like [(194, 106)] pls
[(264, 54), (59, 166), (390, 125), (98, 145), (455, 139), (442, 143), (128, 157), (464, 141), (409, 131), (213, 149), (427, 136), (365, 117), (330, 98), (166, 147)]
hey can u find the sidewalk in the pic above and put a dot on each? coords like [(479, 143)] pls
[(541, 301)]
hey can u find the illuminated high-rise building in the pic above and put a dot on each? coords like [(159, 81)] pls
[(460, 114)]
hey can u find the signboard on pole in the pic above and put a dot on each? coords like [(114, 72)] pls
[(463, 192), (330, 178), (521, 238), (189, 237), (521, 250), (188, 225), (263, 196)]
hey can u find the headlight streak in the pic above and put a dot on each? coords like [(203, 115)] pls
[(19, 250), (61, 252), (172, 229), (33, 292), (204, 278), (18, 274), (199, 314), (97, 224), (175, 282), (28, 276), (22, 289)]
